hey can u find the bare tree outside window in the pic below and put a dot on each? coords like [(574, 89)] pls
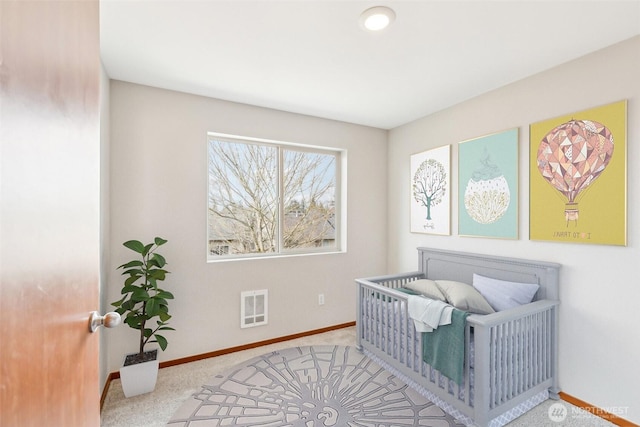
[(246, 183), (243, 196), (429, 184), (309, 199)]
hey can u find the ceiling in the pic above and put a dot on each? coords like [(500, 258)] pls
[(313, 58)]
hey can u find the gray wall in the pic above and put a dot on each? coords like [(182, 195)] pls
[(599, 346), (159, 187)]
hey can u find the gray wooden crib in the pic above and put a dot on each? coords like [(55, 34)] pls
[(511, 356)]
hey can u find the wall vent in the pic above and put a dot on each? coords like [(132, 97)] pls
[(253, 308)]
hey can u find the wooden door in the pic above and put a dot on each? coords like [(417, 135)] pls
[(49, 212)]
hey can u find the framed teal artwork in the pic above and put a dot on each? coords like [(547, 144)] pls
[(488, 186)]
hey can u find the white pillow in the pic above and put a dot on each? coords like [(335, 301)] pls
[(426, 287), (502, 294)]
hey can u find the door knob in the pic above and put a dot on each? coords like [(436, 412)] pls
[(109, 320)]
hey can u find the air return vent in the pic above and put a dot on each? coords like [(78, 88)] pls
[(253, 308)]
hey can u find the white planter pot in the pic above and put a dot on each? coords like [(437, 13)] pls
[(139, 378)]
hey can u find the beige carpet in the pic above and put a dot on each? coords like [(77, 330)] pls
[(178, 383)]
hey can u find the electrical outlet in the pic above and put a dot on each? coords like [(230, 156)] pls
[(320, 299)]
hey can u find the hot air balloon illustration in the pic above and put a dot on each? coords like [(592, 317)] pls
[(571, 156)]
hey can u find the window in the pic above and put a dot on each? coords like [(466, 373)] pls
[(269, 198)]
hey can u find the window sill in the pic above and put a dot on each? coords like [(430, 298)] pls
[(222, 259)]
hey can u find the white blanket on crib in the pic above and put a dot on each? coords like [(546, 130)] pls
[(428, 314)]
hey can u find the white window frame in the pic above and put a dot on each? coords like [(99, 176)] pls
[(340, 198)]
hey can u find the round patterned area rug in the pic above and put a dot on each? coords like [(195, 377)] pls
[(309, 387)]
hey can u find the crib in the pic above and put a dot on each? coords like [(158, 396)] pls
[(510, 357)]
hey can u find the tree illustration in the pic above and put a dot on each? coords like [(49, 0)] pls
[(429, 184)]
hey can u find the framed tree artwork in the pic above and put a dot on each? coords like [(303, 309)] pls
[(431, 191), (578, 177), (488, 186)]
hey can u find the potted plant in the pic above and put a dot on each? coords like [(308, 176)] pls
[(144, 307)]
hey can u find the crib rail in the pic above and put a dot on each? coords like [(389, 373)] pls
[(392, 281), (515, 350)]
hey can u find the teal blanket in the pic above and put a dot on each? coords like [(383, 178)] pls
[(444, 347)]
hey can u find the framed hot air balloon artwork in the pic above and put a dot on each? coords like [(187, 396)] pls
[(578, 177), (431, 191), (488, 186)]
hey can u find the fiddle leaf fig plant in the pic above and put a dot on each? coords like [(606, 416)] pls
[(144, 304)]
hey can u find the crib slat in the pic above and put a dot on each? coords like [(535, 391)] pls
[(367, 310), (373, 311), (496, 364), (393, 329), (552, 335), (526, 349), (384, 344), (514, 359), (538, 345), (378, 321), (536, 349), (467, 365), (539, 337), (410, 344), (371, 319), (545, 349), (405, 326), (522, 346), (509, 362), (402, 348), (397, 330), (549, 332), (534, 361), (528, 352), (543, 346), (366, 322), (532, 333), (395, 340), (505, 363), (499, 365)]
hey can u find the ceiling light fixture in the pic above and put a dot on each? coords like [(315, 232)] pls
[(377, 18)]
